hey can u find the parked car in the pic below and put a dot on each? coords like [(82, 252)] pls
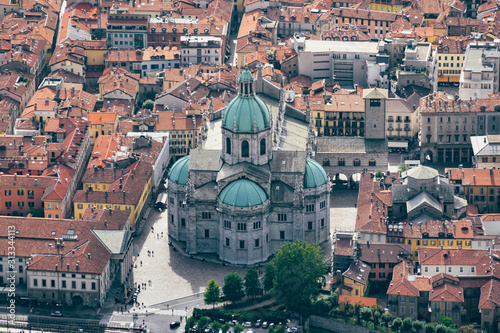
[(295, 329), (247, 324), (258, 323), (56, 314), (264, 324), (175, 324), (233, 322)]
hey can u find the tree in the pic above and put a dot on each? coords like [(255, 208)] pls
[(402, 168), (148, 104), (37, 212), (467, 329), (226, 327), (190, 322), (212, 293), (203, 323), (252, 283), (299, 266), (450, 330), (269, 276), (379, 174), (417, 326), (238, 328), (386, 318), (233, 288), (366, 314), (376, 318), (440, 328), (446, 321), (216, 326), (429, 328), (407, 325), (397, 323)]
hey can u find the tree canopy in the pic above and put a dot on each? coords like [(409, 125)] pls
[(233, 288), (298, 266), (252, 283), (212, 293)]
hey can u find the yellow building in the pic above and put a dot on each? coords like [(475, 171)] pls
[(433, 234), (355, 279), (102, 123), (181, 128), (451, 55), (392, 6), (130, 191), (95, 51)]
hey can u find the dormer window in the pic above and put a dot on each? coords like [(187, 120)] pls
[(164, 29), (185, 30)]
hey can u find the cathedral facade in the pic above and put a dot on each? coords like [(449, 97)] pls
[(244, 201)]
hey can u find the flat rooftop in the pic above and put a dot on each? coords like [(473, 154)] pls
[(340, 46)]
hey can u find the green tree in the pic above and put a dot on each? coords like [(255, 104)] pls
[(386, 318), (238, 328), (450, 330), (376, 318), (216, 326), (212, 293), (366, 314), (446, 321), (440, 328), (203, 323), (417, 326), (252, 283), (379, 174), (407, 325), (397, 323), (402, 168), (37, 212), (299, 267), (429, 328), (467, 329), (226, 327), (334, 299), (190, 322), (233, 288), (148, 104), (269, 276)]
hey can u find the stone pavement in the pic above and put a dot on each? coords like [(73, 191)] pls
[(342, 210), (170, 274)]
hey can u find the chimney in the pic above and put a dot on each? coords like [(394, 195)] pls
[(89, 255)]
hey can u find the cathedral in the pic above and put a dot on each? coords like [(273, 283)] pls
[(245, 199)]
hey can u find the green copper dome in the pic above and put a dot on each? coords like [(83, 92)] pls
[(246, 110), (315, 175), (179, 172), (243, 193)]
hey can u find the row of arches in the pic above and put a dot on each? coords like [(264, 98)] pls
[(245, 147)]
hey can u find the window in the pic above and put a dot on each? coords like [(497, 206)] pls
[(356, 162), (263, 146), (206, 215), (80, 206), (63, 284), (281, 217), (73, 284), (257, 225), (228, 242), (35, 282), (228, 146), (242, 226), (20, 192), (7, 192), (322, 204), (242, 244), (282, 234), (374, 102), (341, 162), (310, 208), (93, 286), (323, 224), (44, 283), (53, 283), (402, 309), (257, 242), (245, 149), (426, 269), (227, 224), (207, 233), (437, 269), (8, 204), (84, 285), (20, 204), (372, 163), (381, 275)]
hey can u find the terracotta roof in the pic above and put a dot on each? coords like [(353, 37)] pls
[(383, 253), (111, 219), (106, 148), (62, 176), (344, 247), (399, 284), (364, 301), (99, 118), (441, 102), (371, 212), (359, 272), (449, 257), (67, 77), (119, 79), (447, 292), (490, 295), (73, 52)]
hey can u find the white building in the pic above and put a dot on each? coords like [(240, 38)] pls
[(479, 76), (201, 49), (420, 66), (346, 63)]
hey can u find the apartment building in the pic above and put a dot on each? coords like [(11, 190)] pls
[(451, 56), (392, 6), (486, 150), (346, 63), (201, 49), (420, 66), (127, 31), (479, 76), (377, 22), (447, 124), (402, 121)]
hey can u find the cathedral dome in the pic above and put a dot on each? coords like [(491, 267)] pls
[(314, 175), (246, 110), (243, 193), (179, 172)]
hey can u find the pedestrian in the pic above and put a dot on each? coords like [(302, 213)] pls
[(153, 253), (162, 234), (181, 319), (355, 205), (157, 236), (141, 263)]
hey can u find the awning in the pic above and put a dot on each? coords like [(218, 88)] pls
[(398, 144)]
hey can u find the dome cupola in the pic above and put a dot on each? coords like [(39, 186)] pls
[(243, 193), (314, 175), (179, 173)]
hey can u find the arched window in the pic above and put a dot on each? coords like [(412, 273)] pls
[(228, 146), (245, 149), (263, 146)]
